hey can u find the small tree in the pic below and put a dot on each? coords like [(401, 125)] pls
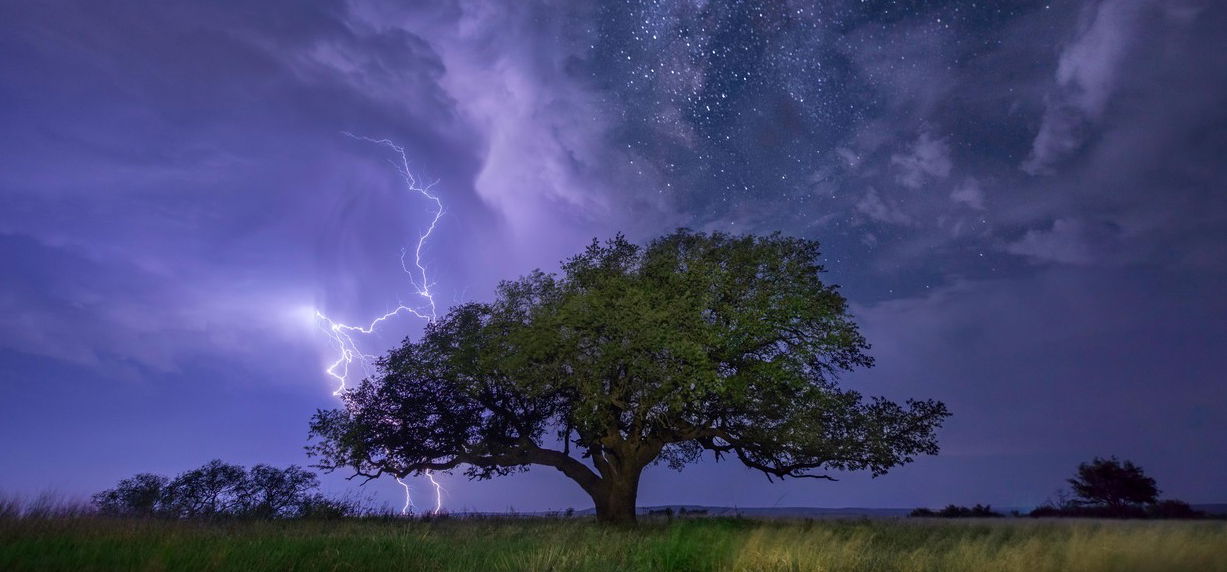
[(271, 492), (142, 495), (636, 355), (214, 489), (222, 489), (1113, 484)]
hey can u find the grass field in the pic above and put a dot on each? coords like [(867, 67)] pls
[(81, 544)]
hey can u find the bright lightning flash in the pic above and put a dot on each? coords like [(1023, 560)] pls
[(346, 336)]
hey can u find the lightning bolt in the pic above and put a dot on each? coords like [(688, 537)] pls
[(345, 336)]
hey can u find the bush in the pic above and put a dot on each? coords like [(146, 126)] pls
[(1164, 509), (955, 511), (1173, 508)]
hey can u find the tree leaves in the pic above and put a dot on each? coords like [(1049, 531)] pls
[(729, 344)]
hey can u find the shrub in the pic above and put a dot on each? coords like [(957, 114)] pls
[(1173, 508), (955, 511)]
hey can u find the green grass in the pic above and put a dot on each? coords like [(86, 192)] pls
[(81, 544)]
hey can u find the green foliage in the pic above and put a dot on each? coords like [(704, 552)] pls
[(634, 355), (538, 544)]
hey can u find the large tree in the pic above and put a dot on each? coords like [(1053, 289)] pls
[(634, 355)]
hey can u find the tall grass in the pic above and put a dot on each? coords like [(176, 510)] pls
[(43, 506), (91, 543)]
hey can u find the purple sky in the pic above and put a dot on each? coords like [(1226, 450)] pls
[(1027, 207)]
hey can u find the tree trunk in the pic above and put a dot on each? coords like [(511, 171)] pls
[(615, 498)]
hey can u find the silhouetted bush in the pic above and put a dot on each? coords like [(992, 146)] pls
[(1080, 511), (1046, 511), (954, 511), (1173, 508)]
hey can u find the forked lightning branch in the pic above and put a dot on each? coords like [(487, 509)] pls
[(350, 356)]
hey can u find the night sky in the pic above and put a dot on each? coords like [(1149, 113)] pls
[(1026, 203)]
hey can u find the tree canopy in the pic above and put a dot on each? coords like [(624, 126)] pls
[(634, 355), (1113, 484)]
